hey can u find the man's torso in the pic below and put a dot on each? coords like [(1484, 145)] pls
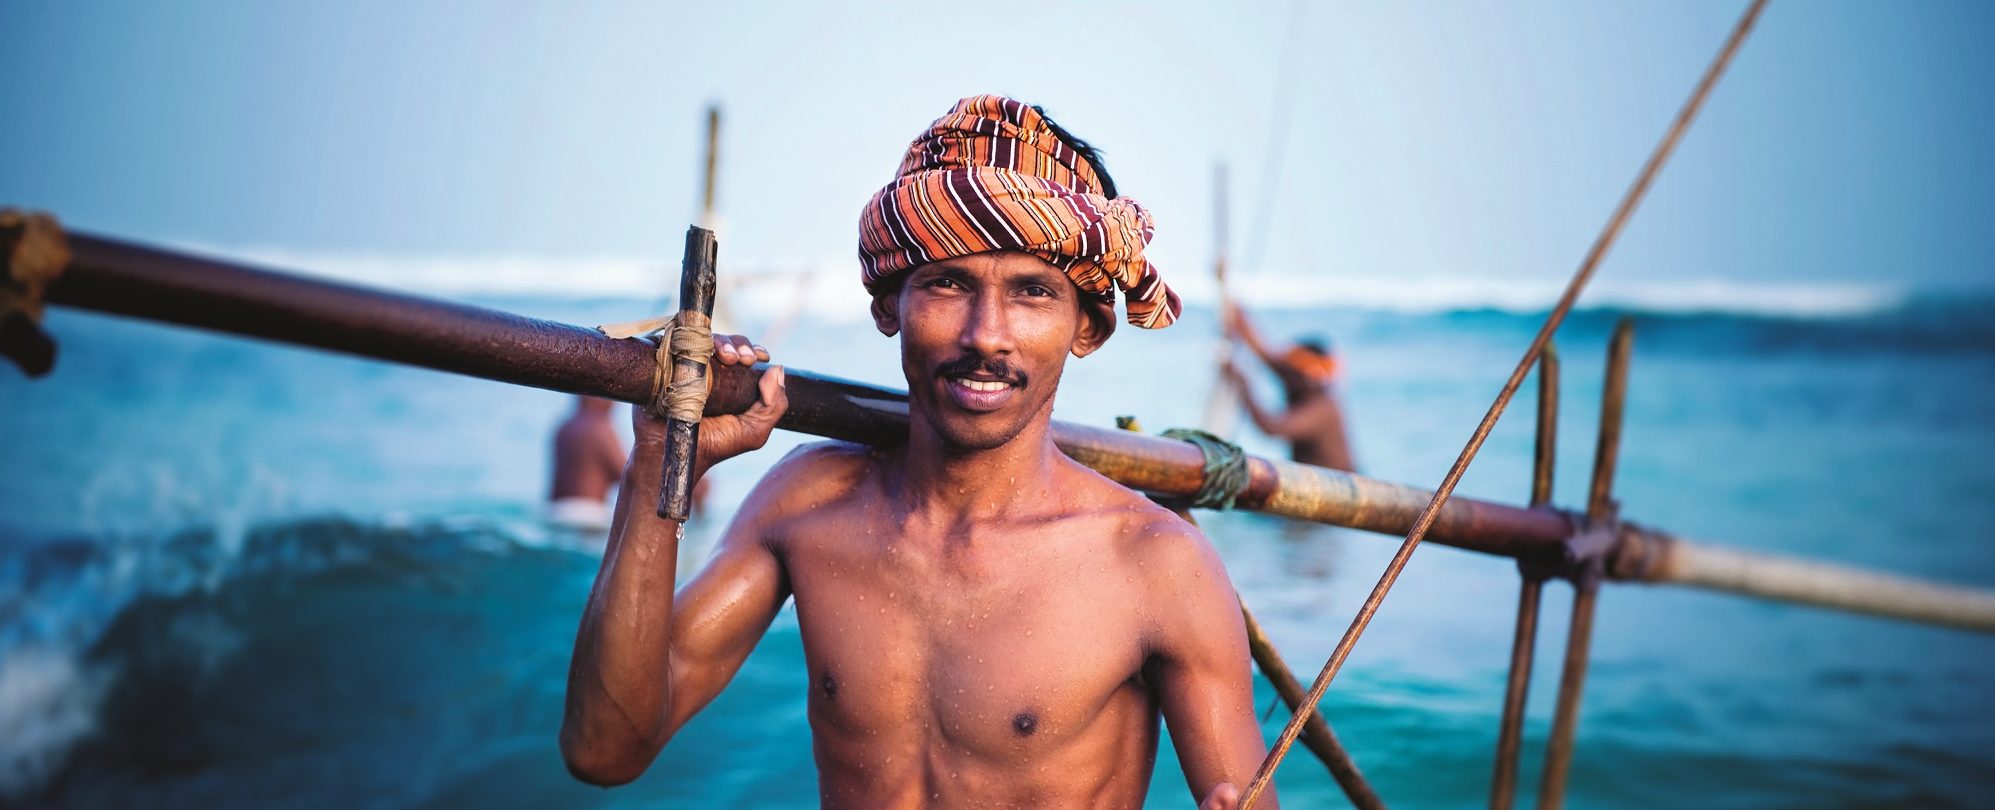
[(989, 664)]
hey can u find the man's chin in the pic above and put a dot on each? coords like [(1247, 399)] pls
[(961, 433)]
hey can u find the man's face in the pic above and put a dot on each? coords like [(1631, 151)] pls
[(983, 341)]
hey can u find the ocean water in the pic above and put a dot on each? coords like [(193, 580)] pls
[(234, 574)]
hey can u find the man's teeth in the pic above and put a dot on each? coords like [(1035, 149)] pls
[(983, 385)]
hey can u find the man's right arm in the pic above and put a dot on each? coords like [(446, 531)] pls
[(646, 660), (1236, 323)]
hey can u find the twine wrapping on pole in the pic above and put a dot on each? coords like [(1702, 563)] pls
[(1225, 468), (33, 254), (692, 340)]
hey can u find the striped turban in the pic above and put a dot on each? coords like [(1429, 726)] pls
[(992, 174)]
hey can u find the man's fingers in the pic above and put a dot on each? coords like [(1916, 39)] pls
[(774, 398), (732, 350)]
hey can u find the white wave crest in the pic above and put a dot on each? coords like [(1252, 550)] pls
[(48, 703), (829, 288), (1689, 296)]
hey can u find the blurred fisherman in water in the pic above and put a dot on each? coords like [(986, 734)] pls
[(1313, 421), (588, 461)]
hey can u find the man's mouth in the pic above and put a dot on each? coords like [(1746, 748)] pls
[(981, 384), (978, 394)]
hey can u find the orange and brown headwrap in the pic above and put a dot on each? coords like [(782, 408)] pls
[(1319, 366), (993, 175)]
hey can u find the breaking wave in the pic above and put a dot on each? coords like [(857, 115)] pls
[(102, 643)]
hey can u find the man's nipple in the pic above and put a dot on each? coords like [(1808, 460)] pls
[(1025, 723)]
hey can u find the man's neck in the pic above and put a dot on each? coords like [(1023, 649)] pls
[(956, 486)]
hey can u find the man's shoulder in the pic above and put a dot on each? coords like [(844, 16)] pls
[(1165, 542), (814, 475)]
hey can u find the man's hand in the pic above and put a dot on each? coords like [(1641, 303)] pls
[(1224, 796), (724, 437), (1231, 374), (1233, 320)]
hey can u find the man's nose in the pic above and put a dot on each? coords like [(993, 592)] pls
[(989, 331)]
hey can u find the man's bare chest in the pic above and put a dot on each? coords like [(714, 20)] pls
[(994, 656)]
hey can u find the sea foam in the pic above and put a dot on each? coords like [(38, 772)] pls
[(828, 289)]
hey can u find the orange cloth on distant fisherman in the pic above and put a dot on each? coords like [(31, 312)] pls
[(1320, 368), (992, 175)]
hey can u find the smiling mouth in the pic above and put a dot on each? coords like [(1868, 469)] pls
[(982, 386), (980, 396)]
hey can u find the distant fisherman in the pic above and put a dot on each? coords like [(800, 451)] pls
[(588, 460), (986, 622), (1313, 421)]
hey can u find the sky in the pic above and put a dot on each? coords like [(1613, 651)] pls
[(1365, 142)]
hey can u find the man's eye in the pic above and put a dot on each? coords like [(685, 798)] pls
[(1038, 291), (943, 284)]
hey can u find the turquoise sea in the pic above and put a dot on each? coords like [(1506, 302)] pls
[(234, 574)]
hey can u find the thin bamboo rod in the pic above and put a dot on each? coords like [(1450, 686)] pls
[(1572, 680), (1316, 733), (1600, 511), (1510, 736), (1531, 587)]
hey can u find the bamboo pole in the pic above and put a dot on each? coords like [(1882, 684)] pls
[(1793, 580), (1222, 403), (1523, 644), (108, 275), (1600, 511), (1316, 733)]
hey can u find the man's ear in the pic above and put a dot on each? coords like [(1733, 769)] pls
[(1097, 323), (886, 311)]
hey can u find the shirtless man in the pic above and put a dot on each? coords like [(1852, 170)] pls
[(1313, 422), (588, 460), (986, 622)]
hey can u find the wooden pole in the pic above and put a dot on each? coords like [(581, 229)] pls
[(1222, 403), (1523, 645), (689, 372), (122, 278), (1316, 734)]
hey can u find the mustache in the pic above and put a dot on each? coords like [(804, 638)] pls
[(968, 365)]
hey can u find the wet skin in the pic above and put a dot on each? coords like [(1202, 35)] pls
[(985, 621)]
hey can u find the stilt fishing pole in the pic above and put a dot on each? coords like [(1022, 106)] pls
[(1222, 403), (124, 278), (1608, 235)]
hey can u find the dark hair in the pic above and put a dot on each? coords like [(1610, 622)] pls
[(1087, 152), (1316, 344)]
